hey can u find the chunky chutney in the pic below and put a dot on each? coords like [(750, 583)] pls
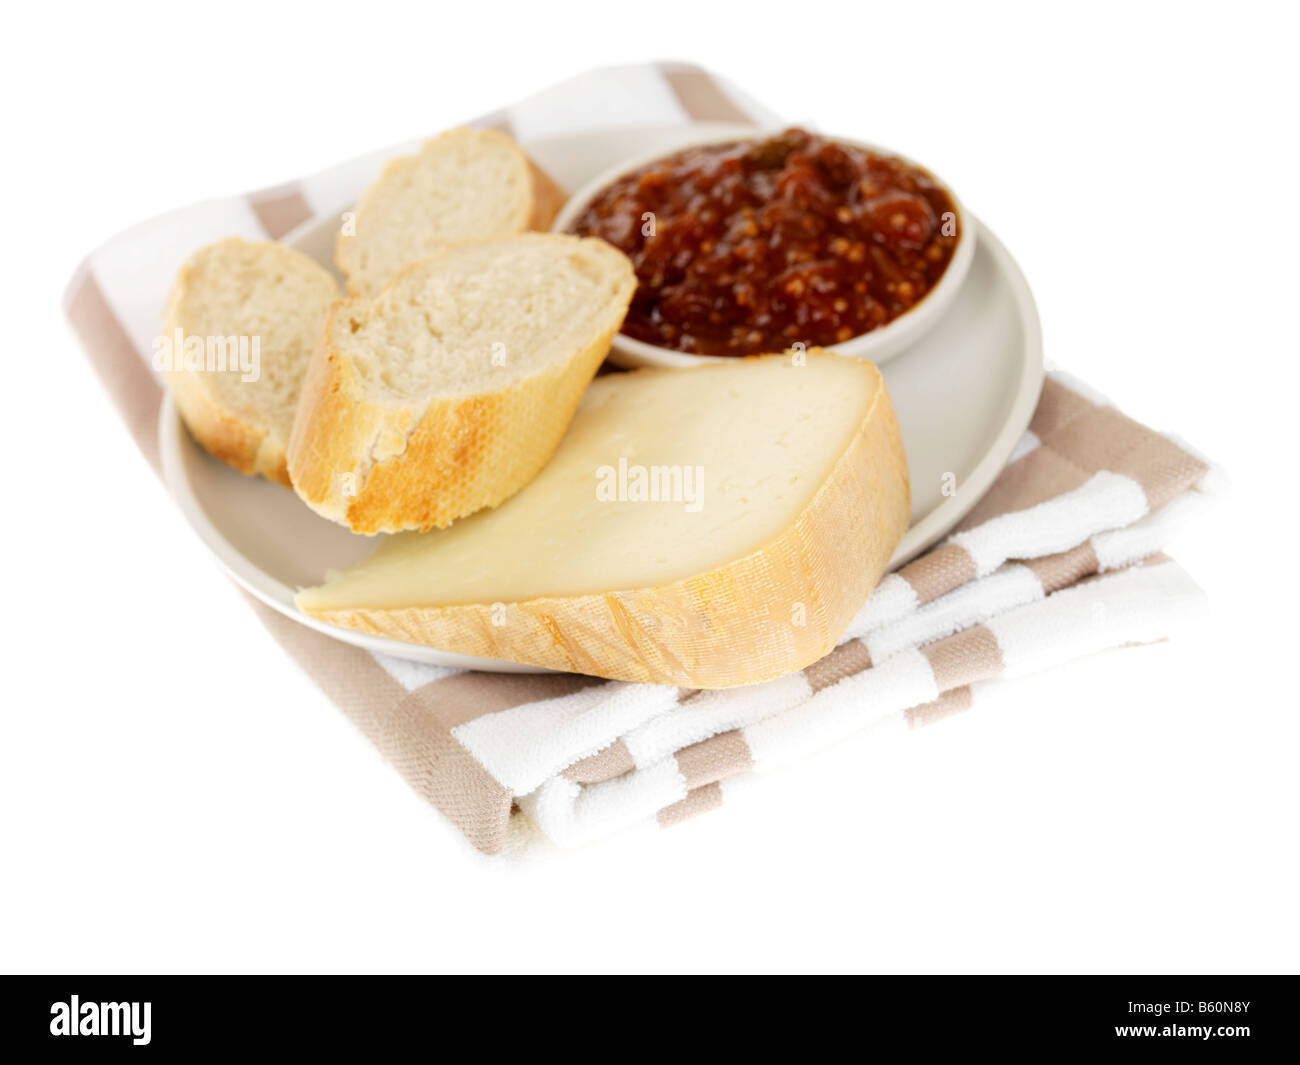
[(754, 246)]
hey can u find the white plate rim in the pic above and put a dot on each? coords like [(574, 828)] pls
[(935, 525)]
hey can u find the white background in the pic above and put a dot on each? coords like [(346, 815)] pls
[(175, 795)]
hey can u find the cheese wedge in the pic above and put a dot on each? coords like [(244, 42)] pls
[(707, 527)]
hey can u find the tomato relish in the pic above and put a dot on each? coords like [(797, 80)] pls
[(755, 246)]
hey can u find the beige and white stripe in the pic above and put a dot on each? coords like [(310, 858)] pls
[(917, 687)]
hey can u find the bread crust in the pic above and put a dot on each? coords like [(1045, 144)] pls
[(730, 626), (247, 448), (382, 468), (548, 198)]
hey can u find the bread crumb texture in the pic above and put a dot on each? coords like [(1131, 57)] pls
[(449, 390), (272, 300)]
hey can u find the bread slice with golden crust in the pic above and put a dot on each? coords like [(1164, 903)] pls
[(462, 185), (782, 493), (253, 308), (449, 391)]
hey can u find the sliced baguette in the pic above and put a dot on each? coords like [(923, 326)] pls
[(450, 390), (805, 496), (240, 290), (462, 185)]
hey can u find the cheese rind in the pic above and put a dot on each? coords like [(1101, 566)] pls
[(751, 568)]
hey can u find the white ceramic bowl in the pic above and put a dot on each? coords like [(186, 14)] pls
[(879, 345)]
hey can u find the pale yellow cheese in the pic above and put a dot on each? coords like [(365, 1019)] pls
[(706, 527)]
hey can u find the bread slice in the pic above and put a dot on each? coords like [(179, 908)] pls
[(452, 388), (272, 301), (782, 492), (465, 184)]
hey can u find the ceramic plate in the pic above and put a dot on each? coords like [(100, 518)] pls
[(964, 395)]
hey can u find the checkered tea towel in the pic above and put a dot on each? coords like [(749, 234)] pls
[(1061, 558)]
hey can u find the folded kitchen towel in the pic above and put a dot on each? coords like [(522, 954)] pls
[(1060, 559)]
